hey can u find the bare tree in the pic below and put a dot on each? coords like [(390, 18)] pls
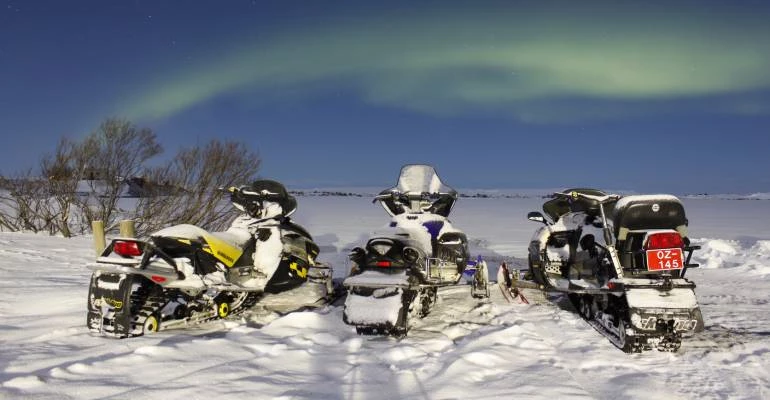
[(7, 203), (62, 172), (24, 204), (116, 151), (83, 181), (185, 189)]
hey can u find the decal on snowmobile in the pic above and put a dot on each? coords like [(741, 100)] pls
[(116, 304), (221, 254), (223, 251), (301, 271)]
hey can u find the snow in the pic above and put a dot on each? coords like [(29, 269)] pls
[(719, 253), (267, 255), (182, 231), (674, 298), (378, 309), (369, 278), (465, 348)]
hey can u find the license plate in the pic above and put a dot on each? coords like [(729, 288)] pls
[(664, 259)]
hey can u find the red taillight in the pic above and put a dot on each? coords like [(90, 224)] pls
[(158, 278), (126, 249), (384, 264), (664, 240)]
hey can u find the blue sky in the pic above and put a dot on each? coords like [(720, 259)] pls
[(645, 96)]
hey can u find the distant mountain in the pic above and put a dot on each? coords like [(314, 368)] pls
[(352, 191), (729, 196)]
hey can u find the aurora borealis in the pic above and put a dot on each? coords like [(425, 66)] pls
[(440, 78), (446, 61)]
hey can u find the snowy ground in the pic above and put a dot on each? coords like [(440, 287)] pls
[(465, 348)]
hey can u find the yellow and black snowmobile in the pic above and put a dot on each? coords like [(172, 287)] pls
[(184, 274)]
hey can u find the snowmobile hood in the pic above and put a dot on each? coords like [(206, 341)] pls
[(420, 228)]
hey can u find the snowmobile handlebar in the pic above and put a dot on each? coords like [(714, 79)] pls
[(608, 198), (247, 191), (405, 197)]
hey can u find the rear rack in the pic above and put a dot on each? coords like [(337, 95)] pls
[(644, 271)]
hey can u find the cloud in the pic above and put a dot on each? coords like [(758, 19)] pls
[(511, 62)]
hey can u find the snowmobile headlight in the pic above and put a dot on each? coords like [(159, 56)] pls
[(411, 255)]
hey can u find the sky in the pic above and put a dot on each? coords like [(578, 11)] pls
[(653, 96)]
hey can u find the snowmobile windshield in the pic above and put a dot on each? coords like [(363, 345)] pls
[(418, 179), (419, 189), (254, 198), (582, 204), (565, 203)]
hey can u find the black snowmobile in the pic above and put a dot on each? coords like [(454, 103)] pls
[(183, 274), (622, 261), (397, 274)]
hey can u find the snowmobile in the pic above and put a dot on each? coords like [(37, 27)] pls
[(622, 262), (183, 274), (397, 274)]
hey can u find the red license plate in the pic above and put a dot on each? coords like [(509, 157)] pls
[(664, 259)]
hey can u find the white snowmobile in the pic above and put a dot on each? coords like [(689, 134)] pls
[(397, 274), (183, 274), (622, 262)]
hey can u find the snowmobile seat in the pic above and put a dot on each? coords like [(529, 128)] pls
[(644, 212)]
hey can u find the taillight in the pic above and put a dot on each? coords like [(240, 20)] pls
[(664, 240), (126, 249), (158, 278), (383, 264)]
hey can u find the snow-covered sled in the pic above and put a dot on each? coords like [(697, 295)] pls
[(395, 276)]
